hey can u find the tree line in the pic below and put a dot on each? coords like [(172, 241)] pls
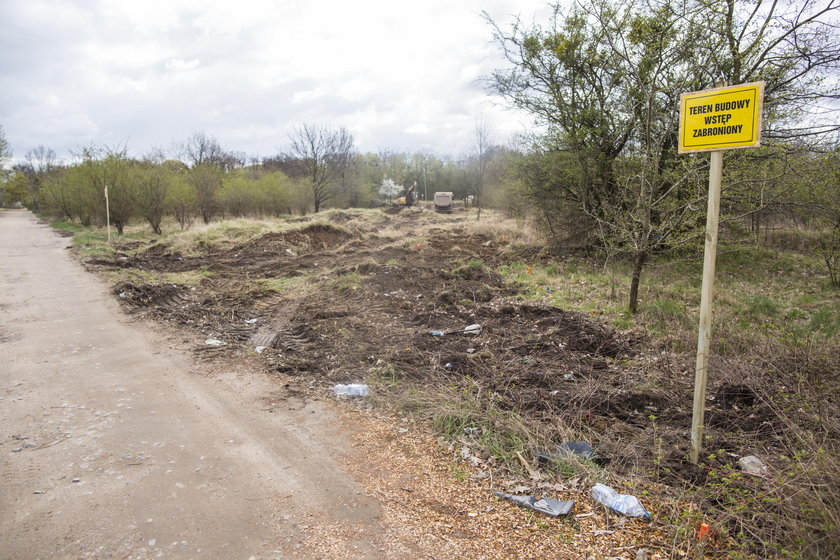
[(201, 180)]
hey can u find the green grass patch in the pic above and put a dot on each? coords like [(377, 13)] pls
[(64, 225), (469, 267), (282, 284), (825, 321), (779, 294), (499, 433), (347, 282), (93, 244), (190, 278), (665, 313)]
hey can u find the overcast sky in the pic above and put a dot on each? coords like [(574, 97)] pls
[(399, 75)]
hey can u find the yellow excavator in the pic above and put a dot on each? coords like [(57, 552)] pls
[(409, 199)]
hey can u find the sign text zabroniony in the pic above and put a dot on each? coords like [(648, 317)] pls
[(721, 118)]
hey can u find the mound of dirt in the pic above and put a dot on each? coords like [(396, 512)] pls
[(153, 295), (309, 238)]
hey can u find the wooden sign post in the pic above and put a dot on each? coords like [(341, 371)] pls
[(713, 120)]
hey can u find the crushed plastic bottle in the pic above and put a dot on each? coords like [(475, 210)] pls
[(752, 465), (473, 329), (547, 506), (352, 390), (622, 503)]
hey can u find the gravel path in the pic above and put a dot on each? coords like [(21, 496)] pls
[(114, 444)]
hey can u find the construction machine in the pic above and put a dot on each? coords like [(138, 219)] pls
[(443, 202), (409, 198)]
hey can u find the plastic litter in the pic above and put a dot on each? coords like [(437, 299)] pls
[(622, 503), (469, 329), (547, 506), (703, 531), (473, 329), (352, 390), (250, 321), (260, 349), (214, 342), (570, 450), (576, 448), (752, 465), (122, 295)]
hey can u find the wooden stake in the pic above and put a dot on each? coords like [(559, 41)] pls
[(107, 215), (706, 295)]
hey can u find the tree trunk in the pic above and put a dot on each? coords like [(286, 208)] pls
[(641, 257)]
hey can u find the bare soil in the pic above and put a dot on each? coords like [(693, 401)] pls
[(372, 294)]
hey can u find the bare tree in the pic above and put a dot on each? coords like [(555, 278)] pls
[(206, 179), (39, 163), (322, 153), (344, 159), (792, 44), (201, 149), (5, 151), (482, 147), (153, 187)]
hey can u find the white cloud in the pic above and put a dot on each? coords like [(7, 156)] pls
[(179, 64), (397, 75), (421, 129), (309, 95)]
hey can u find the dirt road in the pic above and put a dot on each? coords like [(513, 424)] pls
[(114, 445)]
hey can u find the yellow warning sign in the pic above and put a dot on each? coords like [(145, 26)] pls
[(721, 118)]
